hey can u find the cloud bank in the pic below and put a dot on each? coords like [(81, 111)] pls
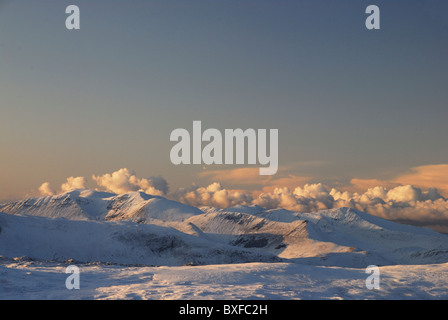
[(423, 205), (120, 181), (405, 203)]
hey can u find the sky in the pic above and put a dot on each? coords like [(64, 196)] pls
[(355, 108)]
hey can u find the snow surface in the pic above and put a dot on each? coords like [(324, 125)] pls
[(141, 246), (23, 279)]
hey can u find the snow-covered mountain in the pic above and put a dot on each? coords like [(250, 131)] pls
[(80, 204), (113, 242), (343, 236), (137, 228)]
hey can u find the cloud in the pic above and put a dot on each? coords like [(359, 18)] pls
[(158, 182), (279, 198), (427, 176), (404, 203), (311, 197), (122, 181), (251, 178), (73, 183), (213, 195), (45, 189), (364, 184), (245, 176), (422, 202)]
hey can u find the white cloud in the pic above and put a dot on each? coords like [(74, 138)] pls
[(122, 181), (402, 203), (407, 203), (73, 183), (45, 189), (427, 176), (212, 195)]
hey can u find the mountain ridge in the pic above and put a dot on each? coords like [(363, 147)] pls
[(156, 230)]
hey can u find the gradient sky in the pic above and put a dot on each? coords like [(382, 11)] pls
[(348, 102)]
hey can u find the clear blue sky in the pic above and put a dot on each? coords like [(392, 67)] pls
[(348, 102)]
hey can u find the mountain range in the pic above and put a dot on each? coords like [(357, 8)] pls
[(141, 229)]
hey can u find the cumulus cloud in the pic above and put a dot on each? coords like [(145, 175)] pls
[(310, 197), (213, 195), (399, 203), (420, 204), (404, 203), (73, 183), (123, 180), (45, 189)]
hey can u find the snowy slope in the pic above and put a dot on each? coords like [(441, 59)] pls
[(286, 240), (142, 208), (67, 205), (395, 243), (112, 242), (343, 236), (24, 279)]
